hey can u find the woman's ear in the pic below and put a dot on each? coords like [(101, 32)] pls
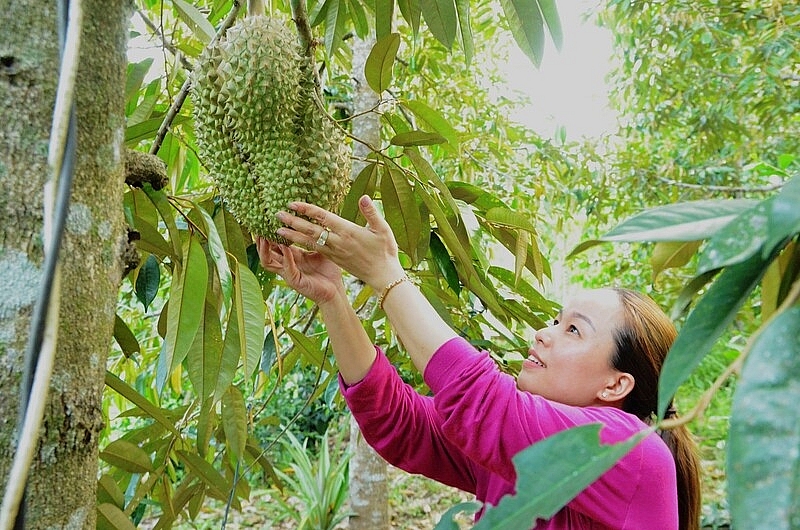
[(617, 387)]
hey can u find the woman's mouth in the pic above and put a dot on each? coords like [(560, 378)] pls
[(533, 359)]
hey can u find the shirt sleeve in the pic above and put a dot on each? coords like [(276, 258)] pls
[(404, 427)]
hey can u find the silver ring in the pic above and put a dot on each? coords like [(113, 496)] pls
[(323, 237)]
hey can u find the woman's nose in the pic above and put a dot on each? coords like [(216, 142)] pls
[(543, 336)]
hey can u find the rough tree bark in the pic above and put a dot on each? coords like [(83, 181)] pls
[(369, 496), (63, 476)]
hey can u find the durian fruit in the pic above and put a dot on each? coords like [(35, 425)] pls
[(259, 129)]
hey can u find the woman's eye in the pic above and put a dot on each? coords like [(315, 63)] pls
[(573, 329), (555, 322)]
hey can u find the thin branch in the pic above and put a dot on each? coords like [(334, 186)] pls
[(729, 189), (165, 43), (175, 108)]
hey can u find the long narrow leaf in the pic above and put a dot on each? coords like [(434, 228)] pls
[(763, 467), (546, 483), (251, 315), (713, 313), (401, 211), (440, 15), (123, 389), (379, 64), (527, 27), (196, 21), (234, 423), (204, 357)]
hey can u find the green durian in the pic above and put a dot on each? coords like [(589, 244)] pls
[(260, 131)]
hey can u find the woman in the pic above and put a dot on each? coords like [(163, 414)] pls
[(598, 362)]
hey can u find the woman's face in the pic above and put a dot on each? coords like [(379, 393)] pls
[(570, 361)]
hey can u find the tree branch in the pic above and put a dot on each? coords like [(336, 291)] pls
[(729, 189), (187, 85)]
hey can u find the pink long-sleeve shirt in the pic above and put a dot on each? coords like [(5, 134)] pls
[(467, 433)]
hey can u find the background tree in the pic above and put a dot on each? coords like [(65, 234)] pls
[(63, 475)]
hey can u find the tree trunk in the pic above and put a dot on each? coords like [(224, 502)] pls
[(63, 475), (369, 497)]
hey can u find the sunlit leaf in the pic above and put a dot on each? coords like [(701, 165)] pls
[(686, 221), (110, 517), (506, 217), (401, 211), (762, 463), (108, 491), (127, 456), (135, 77), (234, 422), (334, 25), (186, 301), (417, 138), (565, 477), (148, 129), (711, 316), (378, 68), (433, 119), (217, 252), (126, 391), (359, 18), (784, 215), (196, 21), (672, 254), (738, 240), (230, 233), (527, 27), (551, 19), (204, 356), (251, 318), (309, 350)]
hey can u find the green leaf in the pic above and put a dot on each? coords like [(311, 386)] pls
[(441, 18), (535, 300), (401, 211), (527, 27), (125, 338), (550, 14), (763, 465), (210, 476), (672, 254), (384, 14), (364, 184), (251, 318), (738, 240), (444, 264), (108, 492), (230, 233), (193, 18), (417, 138), (712, 314), (309, 350), (412, 12), (186, 302), (784, 215), (167, 213), (122, 388), (685, 221), (135, 77), (234, 423), (434, 120), (126, 456), (506, 217), (148, 129), (204, 357), (148, 280), (150, 239), (359, 18), (471, 194), (467, 40), (217, 252), (564, 477), (334, 25), (110, 517), (378, 68)]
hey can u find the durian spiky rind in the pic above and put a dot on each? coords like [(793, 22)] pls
[(259, 130)]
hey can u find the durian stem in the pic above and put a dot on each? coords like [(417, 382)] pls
[(255, 8), (300, 17), (175, 108)]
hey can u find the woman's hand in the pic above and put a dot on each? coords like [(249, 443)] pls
[(309, 273), (369, 252)]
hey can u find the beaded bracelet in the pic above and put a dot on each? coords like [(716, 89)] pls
[(391, 285)]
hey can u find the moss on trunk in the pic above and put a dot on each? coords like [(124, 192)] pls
[(62, 482)]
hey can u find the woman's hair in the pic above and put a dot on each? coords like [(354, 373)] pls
[(642, 343)]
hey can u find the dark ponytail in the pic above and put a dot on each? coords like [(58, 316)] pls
[(642, 344)]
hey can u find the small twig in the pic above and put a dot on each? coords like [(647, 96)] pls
[(166, 43), (729, 189), (187, 85)]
